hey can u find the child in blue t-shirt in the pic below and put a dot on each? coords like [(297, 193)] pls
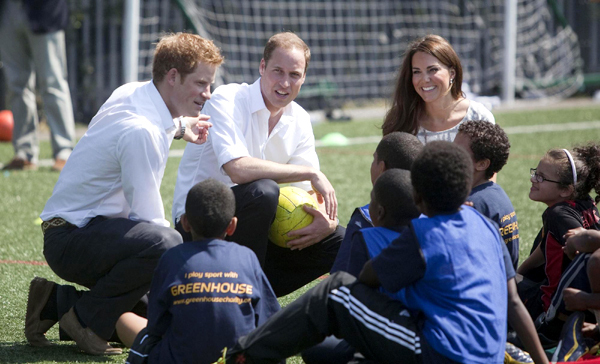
[(447, 269), (489, 148), (396, 150), (205, 294)]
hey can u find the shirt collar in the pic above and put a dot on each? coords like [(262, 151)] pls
[(257, 102), (166, 119)]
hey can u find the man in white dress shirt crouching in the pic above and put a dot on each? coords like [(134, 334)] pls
[(104, 225), (261, 137)]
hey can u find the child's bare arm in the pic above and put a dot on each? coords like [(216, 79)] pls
[(577, 300), (519, 319), (533, 261), (581, 240)]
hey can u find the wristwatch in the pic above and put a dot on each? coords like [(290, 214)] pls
[(181, 128)]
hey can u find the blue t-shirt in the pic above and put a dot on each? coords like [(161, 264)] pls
[(367, 243), (360, 219), (446, 268), (204, 296), (491, 200)]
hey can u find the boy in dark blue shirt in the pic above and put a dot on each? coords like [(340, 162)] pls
[(488, 146), (395, 150), (205, 293), (447, 269), (391, 210)]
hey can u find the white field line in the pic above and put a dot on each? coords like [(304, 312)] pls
[(524, 129)]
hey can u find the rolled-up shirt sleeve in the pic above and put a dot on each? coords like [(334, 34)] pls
[(401, 263), (305, 155), (228, 140)]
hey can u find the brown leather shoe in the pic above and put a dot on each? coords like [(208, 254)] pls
[(18, 164), (59, 164), (35, 328), (86, 339)]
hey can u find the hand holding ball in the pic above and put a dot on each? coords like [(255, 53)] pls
[(290, 214)]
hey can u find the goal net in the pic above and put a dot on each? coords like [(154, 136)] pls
[(357, 45)]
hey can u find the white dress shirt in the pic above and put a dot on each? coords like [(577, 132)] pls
[(116, 168), (240, 121)]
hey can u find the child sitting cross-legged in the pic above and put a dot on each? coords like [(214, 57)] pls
[(205, 293)]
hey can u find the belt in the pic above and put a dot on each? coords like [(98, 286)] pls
[(55, 222)]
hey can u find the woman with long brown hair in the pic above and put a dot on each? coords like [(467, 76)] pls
[(428, 100)]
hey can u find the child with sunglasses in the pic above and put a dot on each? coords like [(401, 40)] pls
[(563, 181)]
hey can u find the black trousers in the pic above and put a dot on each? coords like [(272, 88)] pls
[(114, 258), (287, 270), (377, 326)]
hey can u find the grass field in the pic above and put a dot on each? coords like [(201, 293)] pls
[(23, 195)]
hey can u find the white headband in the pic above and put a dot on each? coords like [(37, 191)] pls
[(572, 166)]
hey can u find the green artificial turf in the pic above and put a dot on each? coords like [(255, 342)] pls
[(23, 195)]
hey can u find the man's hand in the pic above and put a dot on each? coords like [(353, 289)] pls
[(196, 130), (318, 230), (325, 194)]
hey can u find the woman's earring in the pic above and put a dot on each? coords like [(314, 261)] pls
[(451, 81)]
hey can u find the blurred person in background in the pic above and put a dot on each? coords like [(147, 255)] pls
[(33, 52)]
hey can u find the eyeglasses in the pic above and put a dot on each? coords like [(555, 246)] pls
[(538, 177)]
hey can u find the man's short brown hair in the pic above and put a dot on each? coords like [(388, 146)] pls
[(183, 51), (286, 40)]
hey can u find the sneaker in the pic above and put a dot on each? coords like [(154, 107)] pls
[(19, 164), (571, 345), (85, 338), (514, 355), (35, 328)]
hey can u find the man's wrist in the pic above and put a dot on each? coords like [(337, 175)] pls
[(181, 129)]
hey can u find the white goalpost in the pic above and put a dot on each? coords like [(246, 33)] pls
[(509, 48)]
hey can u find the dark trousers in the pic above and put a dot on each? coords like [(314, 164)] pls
[(114, 258), (373, 323), (287, 270)]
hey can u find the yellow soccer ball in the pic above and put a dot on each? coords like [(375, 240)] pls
[(290, 214)]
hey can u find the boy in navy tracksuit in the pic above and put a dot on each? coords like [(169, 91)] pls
[(205, 294), (395, 150), (392, 208), (447, 270)]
